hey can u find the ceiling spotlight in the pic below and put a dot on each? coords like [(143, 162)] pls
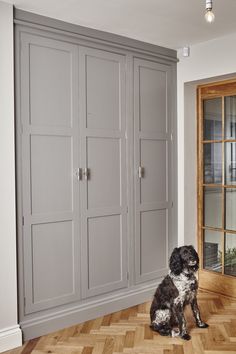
[(209, 16)]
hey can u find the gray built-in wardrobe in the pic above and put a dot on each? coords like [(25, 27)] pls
[(96, 171)]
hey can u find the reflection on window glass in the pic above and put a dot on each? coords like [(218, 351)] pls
[(213, 251), (230, 210), (212, 113), (230, 163), (213, 163), (230, 254), (213, 207), (230, 117)]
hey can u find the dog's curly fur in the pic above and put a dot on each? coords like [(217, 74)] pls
[(177, 289)]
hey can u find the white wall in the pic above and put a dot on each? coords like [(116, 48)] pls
[(10, 334), (209, 61)]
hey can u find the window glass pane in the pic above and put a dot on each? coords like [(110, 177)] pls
[(230, 254), (212, 114), (212, 163), (213, 207), (230, 163), (230, 212), (212, 250), (230, 117)]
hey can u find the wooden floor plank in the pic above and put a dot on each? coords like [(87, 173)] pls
[(30, 346)]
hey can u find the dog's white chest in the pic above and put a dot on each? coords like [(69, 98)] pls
[(185, 287)]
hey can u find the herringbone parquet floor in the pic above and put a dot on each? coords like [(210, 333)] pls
[(128, 331)]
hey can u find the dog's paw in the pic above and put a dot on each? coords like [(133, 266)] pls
[(154, 327), (164, 332), (186, 336), (202, 325), (175, 332)]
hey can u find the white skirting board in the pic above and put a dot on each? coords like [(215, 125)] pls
[(10, 338)]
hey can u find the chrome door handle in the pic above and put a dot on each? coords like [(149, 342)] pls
[(140, 172), (79, 174), (86, 173)]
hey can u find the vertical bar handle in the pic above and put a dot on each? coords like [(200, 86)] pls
[(79, 174), (140, 172), (86, 173)]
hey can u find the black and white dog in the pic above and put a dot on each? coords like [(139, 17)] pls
[(177, 289)]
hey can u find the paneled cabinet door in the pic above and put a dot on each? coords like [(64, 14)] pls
[(103, 147), (49, 118), (152, 99)]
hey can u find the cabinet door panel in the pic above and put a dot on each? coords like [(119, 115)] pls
[(51, 166), (103, 96), (153, 87), (153, 160), (152, 165), (153, 249), (104, 202), (104, 251), (50, 157), (53, 274), (50, 86), (104, 161)]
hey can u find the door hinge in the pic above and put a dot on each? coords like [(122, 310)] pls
[(24, 301), (172, 204), (171, 136), (23, 220)]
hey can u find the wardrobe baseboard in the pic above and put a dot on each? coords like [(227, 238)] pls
[(57, 320)]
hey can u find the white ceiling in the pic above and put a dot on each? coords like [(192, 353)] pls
[(169, 23)]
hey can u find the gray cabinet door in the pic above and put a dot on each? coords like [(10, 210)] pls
[(50, 157), (103, 147), (152, 115)]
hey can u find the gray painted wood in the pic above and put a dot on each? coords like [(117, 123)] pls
[(52, 261), (152, 100), (103, 217), (93, 36), (49, 160), (104, 251), (103, 105), (153, 159), (50, 107), (61, 318), (50, 170), (105, 166), (152, 118), (103, 146), (153, 245)]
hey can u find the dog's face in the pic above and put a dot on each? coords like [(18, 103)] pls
[(184, 257)]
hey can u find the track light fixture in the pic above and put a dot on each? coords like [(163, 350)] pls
[(209, 16)]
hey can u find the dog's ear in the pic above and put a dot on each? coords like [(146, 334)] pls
[(176, 264)]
